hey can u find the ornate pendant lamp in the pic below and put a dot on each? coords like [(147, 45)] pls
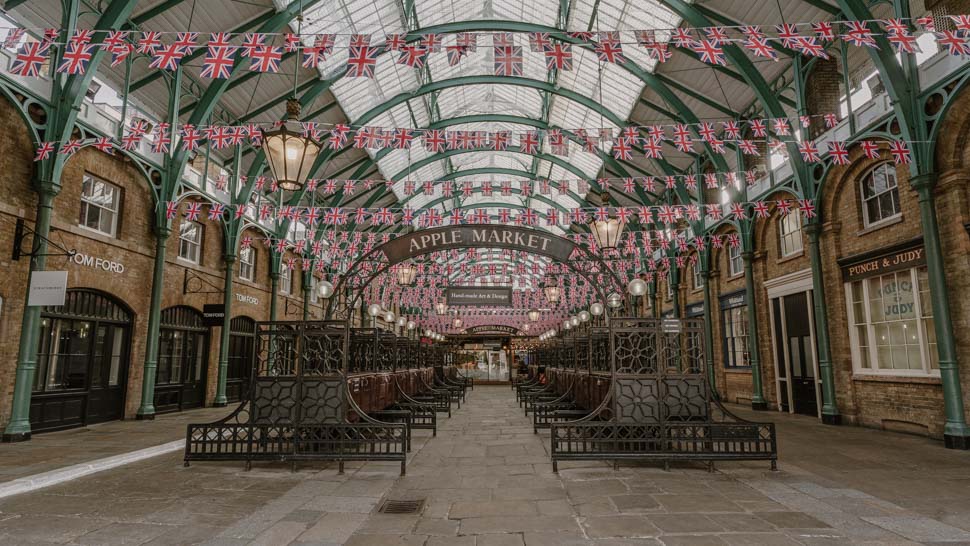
[(406, 274), (550, 288), (606, 232), (534, 315), (288, 153)]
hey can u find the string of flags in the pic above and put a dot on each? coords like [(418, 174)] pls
[(337, 216), (622, 142), (266, 51)]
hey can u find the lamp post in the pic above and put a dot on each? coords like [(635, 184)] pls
[(288, 153)]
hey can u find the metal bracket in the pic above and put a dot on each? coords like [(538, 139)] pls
[(193, 283), (20, 233), (286, 307)]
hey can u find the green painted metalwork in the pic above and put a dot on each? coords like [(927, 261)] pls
[(66, 95)]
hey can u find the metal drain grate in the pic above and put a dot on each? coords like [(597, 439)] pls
[(401, 506)]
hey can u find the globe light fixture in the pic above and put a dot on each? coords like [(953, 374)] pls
[(583, 316), (533, 315), (406, 274), (566, 324), (289, 154), (614, 300), (606, 229), (324, 289), (411, 325), (637, 287), (401, 321), (574, 321), (550, 288), (374, 309), (596, 309), (389, 317)]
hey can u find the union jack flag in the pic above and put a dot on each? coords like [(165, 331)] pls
[(954, 43), (784, 207), (266, 59), (859, 34), (900, 152), (653, 148), (185, 41), (193, 211), (809, 151), (362, 61), (529, 142), (467, 40), (904, 42), (622, 150), (760, 48), (394, 42), (171, 209), (216, 210), (559, 57), (44, 150), (610, 52), (104, 144), (807, 208), (413, 56), (838, 153), (116, 43), (683, 37), (739, 211), (508, 60), (219, 57), (76, 58), (149, 42), (824, 31), (30, 59), (455, 54), (71, 147), (758, 127), (713, 211), (870, 149), (811, 48), (710, 53), (14, 35), (167, 58), (252, 42)]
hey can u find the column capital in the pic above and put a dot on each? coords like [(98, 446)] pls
[(924, 183), (747, 256)]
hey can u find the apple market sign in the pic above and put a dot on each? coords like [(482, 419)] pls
[(427, 241), (98, 263)]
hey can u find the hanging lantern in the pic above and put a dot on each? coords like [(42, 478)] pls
[(456, 323), (551, 290), (406, 274), (441, 307), (289, 154), (606, 232), (614, 300), (534, 315), (411, 325)]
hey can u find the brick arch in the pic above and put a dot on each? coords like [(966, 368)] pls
[(842, 181), (719, 255), (952, 150)]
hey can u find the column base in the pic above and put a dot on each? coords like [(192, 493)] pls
[(759, 406), (220, 404), (951, 442), (831, 419), (145, 417), (16, 437)]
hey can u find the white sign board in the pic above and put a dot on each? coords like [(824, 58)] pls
[(47, 288)]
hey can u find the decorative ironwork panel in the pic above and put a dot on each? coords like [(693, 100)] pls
[(275, 401), (322, 401), (685, 398), (635, 345), (638, 401)]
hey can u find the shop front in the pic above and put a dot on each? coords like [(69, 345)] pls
[(183, 349), (82, 362), (792, 318), (242, 343)]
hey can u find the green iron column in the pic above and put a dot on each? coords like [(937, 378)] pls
[(708, 325), (305, 279), (147, 408), (830, 409), (221, 400), (675, 292), (757, 391), (956, 434), (18, 429)]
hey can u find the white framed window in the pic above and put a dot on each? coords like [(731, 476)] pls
[(891, 324), (190, 241), (735, 337), (698, 279), (286, 280), (314, 298), (880, 195), (790, 234), (247, 264), (735, 262), (100, 206)]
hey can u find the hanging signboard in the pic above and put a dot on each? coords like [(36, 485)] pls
[(445, 238), (492, 329), (213, 314), (670, 325), (487, 296), (47, 288)]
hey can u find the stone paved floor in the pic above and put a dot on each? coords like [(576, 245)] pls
[(486, 480)]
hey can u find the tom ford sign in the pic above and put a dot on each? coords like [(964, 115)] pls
[(492, 296), (886, 263), (445, 238)]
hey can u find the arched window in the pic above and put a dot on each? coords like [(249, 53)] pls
[(790, 234), (880, 195), (735, 263)]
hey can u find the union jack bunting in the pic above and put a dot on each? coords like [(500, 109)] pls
[(859, 34), (413, 56), (539, 42), (838, 153), (870, 149), (362, 61), (116, 43), (266, 59), (171, 209), (455, 54), (807, 208), (30, 59), (44, 151), (71, 147), (759, 47), (149, 42), (783, 207), (167, 58), (14, 35), (610, 52), (710, 53), (900, 152), (218, 62), (192, 211), (824, 31), (508, 60), (559, 57), (954, 42)]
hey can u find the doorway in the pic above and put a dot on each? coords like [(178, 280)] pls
[(242, 342), (183, 358), (793, 347), (82, 362)]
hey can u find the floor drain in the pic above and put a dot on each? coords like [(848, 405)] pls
[(401, 506)]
